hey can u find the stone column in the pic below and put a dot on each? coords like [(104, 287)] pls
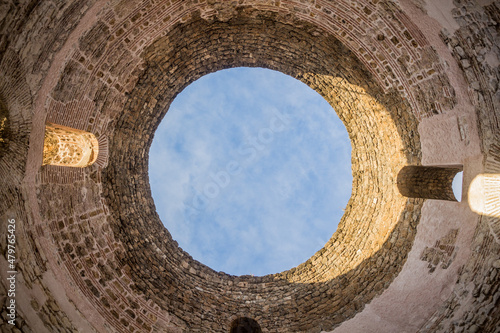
[(245, 325)]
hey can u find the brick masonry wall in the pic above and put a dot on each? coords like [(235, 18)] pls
[(95, 256), (475, 47)]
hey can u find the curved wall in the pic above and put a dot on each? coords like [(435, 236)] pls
[(414, 83)]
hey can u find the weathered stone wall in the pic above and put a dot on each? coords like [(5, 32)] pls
[(92, 252), (473, 307), (327, 61), (475, 46)]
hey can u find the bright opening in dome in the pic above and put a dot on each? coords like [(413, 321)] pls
[(250, 171), (457, 185)]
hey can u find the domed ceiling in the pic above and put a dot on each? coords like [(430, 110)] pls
[(415, 83)]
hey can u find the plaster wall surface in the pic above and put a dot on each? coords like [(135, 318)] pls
[(415, 82)]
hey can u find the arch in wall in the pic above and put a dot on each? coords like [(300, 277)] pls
[(69, 147), (427, 182)]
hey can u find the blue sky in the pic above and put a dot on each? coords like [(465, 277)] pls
[(250, 171)]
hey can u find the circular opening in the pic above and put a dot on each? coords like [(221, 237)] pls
[(250, 171)]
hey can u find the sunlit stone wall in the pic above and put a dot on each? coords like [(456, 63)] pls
[(4, 129), (415, 83), (69, 147)]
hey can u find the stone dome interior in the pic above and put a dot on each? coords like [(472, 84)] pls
[(415, 84)]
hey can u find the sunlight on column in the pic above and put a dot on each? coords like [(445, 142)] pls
[(457, 185), (69, 147), (484, 194)]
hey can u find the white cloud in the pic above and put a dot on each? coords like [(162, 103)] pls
[(287, 201)]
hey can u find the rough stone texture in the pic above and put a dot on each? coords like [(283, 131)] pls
[(69, 147), (93, 255), (427, 182), (476, 47), (442, 252)]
